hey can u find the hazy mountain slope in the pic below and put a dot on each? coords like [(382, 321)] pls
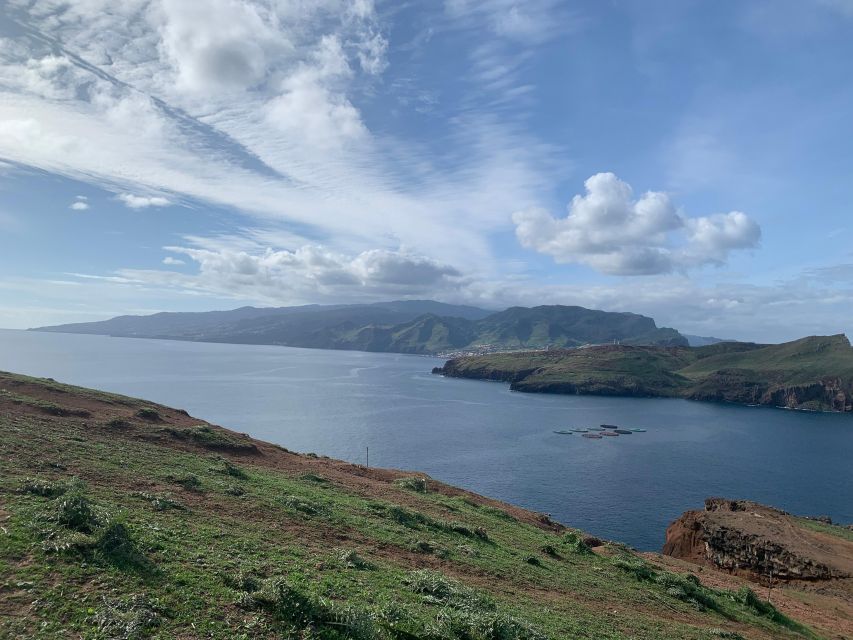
[(702, 341), (125, 519), (811, 373), (411, 326), (563, 326)]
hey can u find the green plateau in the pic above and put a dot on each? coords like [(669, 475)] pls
[(813, 373)]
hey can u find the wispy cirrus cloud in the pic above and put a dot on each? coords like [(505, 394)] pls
[(254, 106)]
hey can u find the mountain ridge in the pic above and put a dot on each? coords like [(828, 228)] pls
[(407, 326)]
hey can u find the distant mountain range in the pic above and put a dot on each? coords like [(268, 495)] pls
[(405, 326), (703, 341)]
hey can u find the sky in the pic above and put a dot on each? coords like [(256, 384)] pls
[(690, 160)]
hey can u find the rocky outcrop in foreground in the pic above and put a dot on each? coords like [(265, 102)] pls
[(761, 543)]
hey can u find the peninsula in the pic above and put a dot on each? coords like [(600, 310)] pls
[(811, 373)]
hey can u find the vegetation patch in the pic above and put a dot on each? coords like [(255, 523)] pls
[(575, 543), (228, 468), (313, 477), (150, 414), (215, 439), (414, 483), (129, 618), (160, 502), (465, 613), (188, 481), (304, 505), (352, 560), (43, 488)]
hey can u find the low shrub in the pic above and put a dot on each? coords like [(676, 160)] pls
[(436, 588), (405, 517), (235, 490), (303, 505), (722, 633), (465, 613), (150, 414), (303, 612), (43, 488), (413, 483), (160, 502), (499, 513), (422, 546), (462, 529), (243, 579), (640, 570), (189, 481), (74, 511), (132, 618), (575, 543), (313, 477), (352, 560), (117, 544), (228, 468), (214, 439), (491, 625), (749, 599)]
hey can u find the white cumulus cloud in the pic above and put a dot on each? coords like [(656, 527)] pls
[(141, 202), (614, 233), (243, 270), (80, 204)]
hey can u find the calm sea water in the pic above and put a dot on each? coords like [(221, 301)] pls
[(474, 434)]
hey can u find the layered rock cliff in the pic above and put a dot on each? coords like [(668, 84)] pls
[(760, 542)]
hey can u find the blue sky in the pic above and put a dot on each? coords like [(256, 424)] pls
[(689, 160)]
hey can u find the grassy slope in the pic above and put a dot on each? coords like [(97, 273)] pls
[(125, 519), (800, 361), (721, 371)]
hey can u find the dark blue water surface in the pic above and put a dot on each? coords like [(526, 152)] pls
[(478, 435)]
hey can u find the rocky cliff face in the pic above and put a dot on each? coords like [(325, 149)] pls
[(830, 394), (760, 542), (453, 369)]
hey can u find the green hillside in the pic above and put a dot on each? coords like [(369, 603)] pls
[(811, 373), (124, 519), (423, 326)]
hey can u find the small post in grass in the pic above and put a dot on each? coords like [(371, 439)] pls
[(368, 458)]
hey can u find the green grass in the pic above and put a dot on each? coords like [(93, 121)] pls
[(830, 529), (112, 533)]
